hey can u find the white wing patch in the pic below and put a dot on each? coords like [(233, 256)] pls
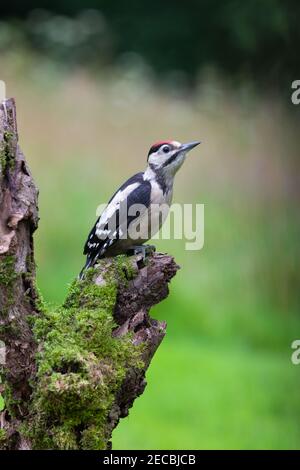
[(111, 209)]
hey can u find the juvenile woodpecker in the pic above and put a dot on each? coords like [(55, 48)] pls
[(139, 207)]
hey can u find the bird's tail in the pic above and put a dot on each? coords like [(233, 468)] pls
[(90, 260)]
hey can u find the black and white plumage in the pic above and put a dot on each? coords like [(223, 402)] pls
[(148, 191)]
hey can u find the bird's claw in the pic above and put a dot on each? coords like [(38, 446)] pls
[(145, 250)]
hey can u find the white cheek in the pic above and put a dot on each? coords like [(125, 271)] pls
[(150, 160), (155, 159), (159, 158)]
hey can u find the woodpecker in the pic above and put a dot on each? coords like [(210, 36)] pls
[(150, 192)]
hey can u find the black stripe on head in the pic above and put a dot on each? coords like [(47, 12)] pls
[(172, 158)]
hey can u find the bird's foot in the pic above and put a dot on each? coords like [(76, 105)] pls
[(145, 250)]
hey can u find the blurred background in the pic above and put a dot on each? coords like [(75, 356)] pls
[(96, 83)]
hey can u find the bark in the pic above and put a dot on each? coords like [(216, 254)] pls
[(20, 303), (18, 221)]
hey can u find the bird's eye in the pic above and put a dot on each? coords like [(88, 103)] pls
[(166, 149)]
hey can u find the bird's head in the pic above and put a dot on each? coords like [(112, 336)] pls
[(168, 155)]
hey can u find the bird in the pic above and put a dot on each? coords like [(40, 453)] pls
[(149, 191)]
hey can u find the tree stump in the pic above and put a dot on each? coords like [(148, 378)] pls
[(69, 374)]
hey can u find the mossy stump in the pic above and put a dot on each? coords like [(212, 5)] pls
[(69, 373)]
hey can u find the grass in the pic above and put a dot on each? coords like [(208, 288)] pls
[(223, 376), (226, 396)]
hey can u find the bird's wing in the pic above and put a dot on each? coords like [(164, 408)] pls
[(114, 222)]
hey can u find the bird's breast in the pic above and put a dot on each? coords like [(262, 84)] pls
[(158, 196), (160, 205)]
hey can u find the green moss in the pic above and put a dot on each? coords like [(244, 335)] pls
[(8, 276), (93, 438), (124, 268), (64, 437), (3, 438), (10, 402), (7, 270), (89, 294), (35, 293), (2, 403), (40, 301), (81, 365), (7, 154)]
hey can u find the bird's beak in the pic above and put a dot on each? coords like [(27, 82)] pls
[(189, 146)]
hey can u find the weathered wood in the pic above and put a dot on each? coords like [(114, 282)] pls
[(18, 221), (19, 303)]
